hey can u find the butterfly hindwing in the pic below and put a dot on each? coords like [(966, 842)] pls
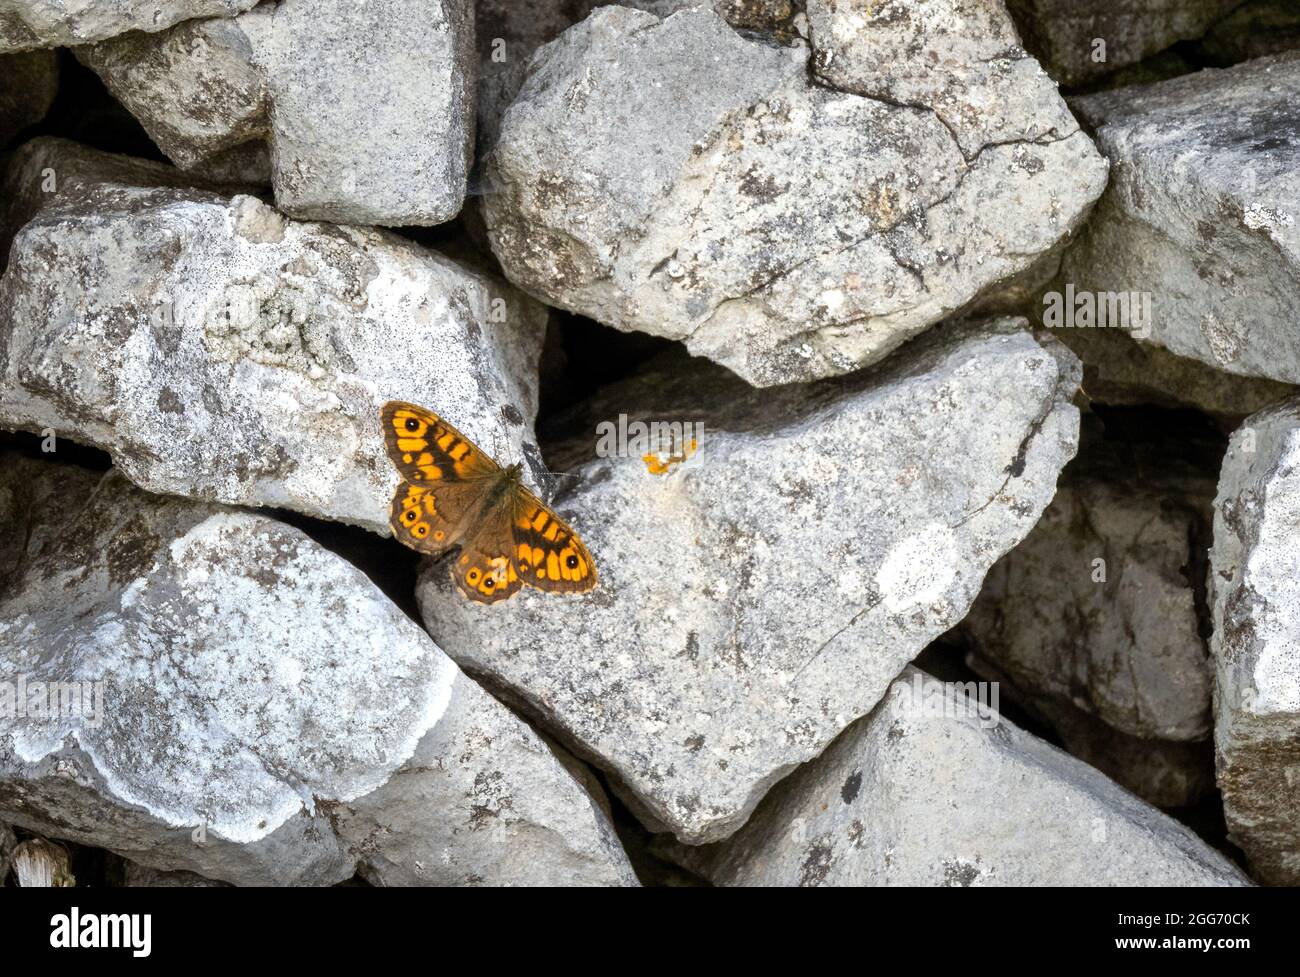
[(484, 571), (425, 519), (426, 449)]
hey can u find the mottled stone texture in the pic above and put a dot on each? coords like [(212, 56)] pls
[(780, 226), (26, 24), (222, 351), (1255, 576), (1201, 213), (930, 790), (747, 610), (1063, 33), (248, 685), (368, 108)]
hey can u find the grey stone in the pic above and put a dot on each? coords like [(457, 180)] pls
[(746, 610), (222, 351), (933, 790), (1097, 607), (1255, 29), (194, 88), (960, 60), (1063, 32), (260, 691), (372, 118), (1166, 773), (31, 80), (1201, 214), (507, 33), (26, 24), (1119, 370), (678, 178), (1256, 608), (368, 108)]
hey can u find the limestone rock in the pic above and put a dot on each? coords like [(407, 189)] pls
[(1201, 213), (221, 351), (249, 707), (1097, 607), (194, 88), (26, 24), (369, 108), (932, 790), (1064, 33), (1256, 607), (1121, 371), (678, 178), (746, 611)]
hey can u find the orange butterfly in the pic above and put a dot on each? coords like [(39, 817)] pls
[(454, 494)]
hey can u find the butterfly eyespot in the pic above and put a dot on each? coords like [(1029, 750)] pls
[(488, 583), (472, 576), (408, 457), (412, 424), (439, 534), (409, 515), (421, 531), (571, 562)]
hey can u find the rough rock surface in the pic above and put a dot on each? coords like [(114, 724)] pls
[(369, 108), (372, 118), (679, 178), (1122, 371), (1255, 580), (1201, 213), (31, 80), (1063, 32), (1097, 606), (745, 613), (259, 688), (926, 792), (1255, 29), (508, 32), (1100, 614), (219, 350), (27, 24), (194, 88)]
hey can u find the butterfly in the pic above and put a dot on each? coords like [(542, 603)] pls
[(453, 494)]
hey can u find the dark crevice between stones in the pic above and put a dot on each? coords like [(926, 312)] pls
[(85, 112)]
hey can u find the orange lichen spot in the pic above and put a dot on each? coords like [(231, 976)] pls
[(662, 466)]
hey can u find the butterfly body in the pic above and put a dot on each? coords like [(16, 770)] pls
[(453, 494)]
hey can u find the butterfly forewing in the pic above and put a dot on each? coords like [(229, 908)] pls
[(426, 449)]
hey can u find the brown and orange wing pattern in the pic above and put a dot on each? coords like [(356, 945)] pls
[(444, 475), (548, 554), (426, 449), (484, 571)]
